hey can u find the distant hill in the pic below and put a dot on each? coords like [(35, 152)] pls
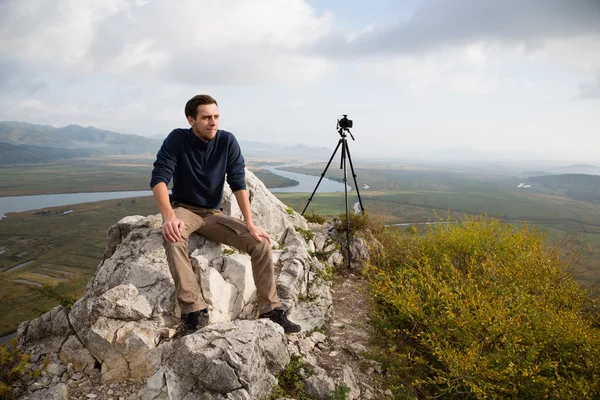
[(76, 137), (262, 149), (582, 187), (90, 141), (23, 154), (579, 169), (301, 150)]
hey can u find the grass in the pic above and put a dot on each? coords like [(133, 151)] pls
[(97, 174)]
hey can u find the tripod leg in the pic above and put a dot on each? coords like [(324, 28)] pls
[(362, 209), (322, 175), (344, 148)]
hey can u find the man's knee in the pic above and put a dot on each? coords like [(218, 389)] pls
[(175, 246), (260, 248)]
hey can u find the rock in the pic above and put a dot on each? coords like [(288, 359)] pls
[(226, 357), (267, 211), (55, 369), (350, 381), (320, 240), (319, 385), (73, 354), (58, 392), (356, 348), (46, 334), (318, 337)]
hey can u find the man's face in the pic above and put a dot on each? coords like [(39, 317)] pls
[(206, 124)]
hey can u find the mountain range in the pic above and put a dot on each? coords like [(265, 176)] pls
[(22, 142)]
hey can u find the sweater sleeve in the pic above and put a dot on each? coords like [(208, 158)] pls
[(236, 175), (166, 161)]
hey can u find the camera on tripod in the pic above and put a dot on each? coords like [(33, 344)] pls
[(344, 122), (343, 125)]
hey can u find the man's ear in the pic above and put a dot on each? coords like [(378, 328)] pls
[(190, 120)]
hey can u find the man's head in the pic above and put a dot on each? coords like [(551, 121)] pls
[(202, 112)]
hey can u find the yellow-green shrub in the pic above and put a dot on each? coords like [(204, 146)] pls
[(481, 309), (13, 367)]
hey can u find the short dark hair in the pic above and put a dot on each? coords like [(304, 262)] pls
[(191, 107)]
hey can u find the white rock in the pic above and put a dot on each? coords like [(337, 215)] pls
[(350, 380)]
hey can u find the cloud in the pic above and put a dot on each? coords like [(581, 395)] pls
[(440, 23), (589, 91), (18, 78), (463, 45), (196, 42)]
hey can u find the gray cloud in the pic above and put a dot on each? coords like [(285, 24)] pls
[(440, 23), (16, 77), (589, 91)]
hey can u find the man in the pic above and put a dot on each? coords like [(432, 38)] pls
[(199, 160)]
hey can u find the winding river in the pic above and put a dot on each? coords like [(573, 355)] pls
[(307, 184)]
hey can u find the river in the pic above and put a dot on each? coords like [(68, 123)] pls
[(27, 203), (307, 183), (9, 204)]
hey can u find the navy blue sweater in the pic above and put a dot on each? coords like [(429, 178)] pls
[(198, 168)]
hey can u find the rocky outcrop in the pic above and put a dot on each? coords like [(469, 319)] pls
[(124, 328)]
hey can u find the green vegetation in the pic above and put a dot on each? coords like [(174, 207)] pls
[(94, 174), (327, 274), (482, 309), (78, 175), (305, 233), (576, 186), (289, 210), (358, 222), (21, 154), (13, 368), (315, 218), (290, 380), (291, 383)]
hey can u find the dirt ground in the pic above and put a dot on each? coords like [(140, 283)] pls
[(348, 338)]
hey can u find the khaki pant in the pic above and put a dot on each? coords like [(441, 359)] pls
[(221, 228)]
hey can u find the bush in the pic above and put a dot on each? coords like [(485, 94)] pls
[(359, 222), (13, 367), (305, 233), (480, 309), (316, 218)]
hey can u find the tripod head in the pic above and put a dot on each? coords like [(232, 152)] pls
[(343, 125)]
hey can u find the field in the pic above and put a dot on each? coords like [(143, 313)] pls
[(65, 250), (99, 174), (56, 249)]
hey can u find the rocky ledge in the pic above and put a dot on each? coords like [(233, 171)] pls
[(120, 340)]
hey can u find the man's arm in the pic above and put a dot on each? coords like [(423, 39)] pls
[(172, 227), (241, 197)]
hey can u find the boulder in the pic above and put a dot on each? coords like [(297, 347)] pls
[(124, 323)]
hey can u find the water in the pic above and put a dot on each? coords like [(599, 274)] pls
[(27, 203), (19, 266), (307, 183), (4, 339), (30, 283)]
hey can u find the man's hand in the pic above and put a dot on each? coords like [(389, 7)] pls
[(172, 228), (258, 233)]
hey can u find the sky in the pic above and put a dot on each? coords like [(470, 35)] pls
[(415, 76)]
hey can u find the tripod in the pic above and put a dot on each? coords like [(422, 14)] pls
[(342, 127)]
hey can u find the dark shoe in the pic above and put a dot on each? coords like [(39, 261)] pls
[(194, 321), (279, 316)]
